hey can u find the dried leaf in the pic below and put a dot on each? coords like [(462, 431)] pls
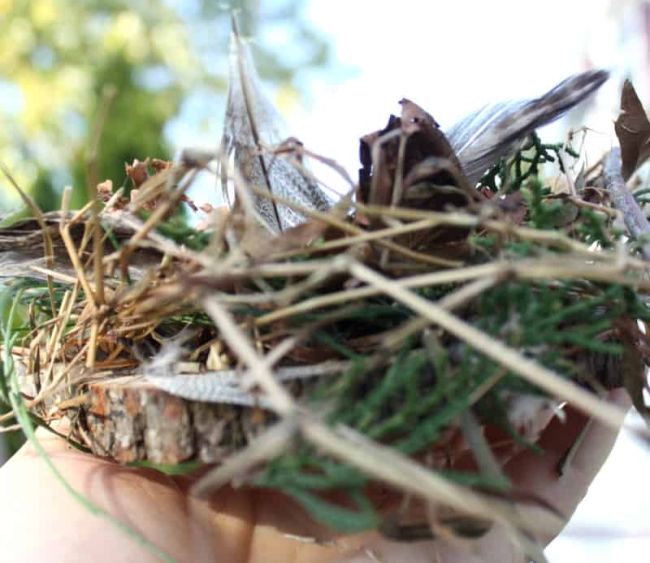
[(251, 127), (159, 165), (376, 179), (105, 190), (633, 368), (153, 189), (633, 131), (415, 145), (137, 172), (430, 156), (410, 163), (432, 141), (493, 132)]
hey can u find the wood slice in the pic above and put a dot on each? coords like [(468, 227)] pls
[(129, 420)]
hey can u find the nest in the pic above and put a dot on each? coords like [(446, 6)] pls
[(379, 339)]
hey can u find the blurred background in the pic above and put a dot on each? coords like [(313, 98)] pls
[(151, 77)]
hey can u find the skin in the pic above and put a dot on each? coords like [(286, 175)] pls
[(41, 521)]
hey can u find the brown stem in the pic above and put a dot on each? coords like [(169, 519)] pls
[(635, 221)]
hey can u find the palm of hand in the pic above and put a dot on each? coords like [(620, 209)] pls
[(248, 525)]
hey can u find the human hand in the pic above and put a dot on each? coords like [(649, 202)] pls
[(41, 521)]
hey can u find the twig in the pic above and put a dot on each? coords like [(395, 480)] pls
[(330, 219), (554, 239), (449, 302), (280, 399), (370, 236), (108, 95), (385, 464), (47, 237), (434, 278), (635, 221), (64, 230), (541, 269), (499, 352), (331, 163)]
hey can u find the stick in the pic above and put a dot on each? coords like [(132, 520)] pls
[(635, 221)]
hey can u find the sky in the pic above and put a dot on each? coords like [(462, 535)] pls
[(450, 58)]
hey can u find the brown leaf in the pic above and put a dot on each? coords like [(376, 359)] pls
[(427, 161), (190, 203), (105, 190), (414, 146), (138, 172), (105, 194), (427, 139), (159, 165), (376, 179), (633, 131)]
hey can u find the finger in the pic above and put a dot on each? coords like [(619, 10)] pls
[(538, 474), (39, 516)]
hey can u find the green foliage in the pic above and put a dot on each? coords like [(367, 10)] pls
[(594, 228), (509, 176), (303, 476), (407, 400), (177, 229), (58, 58), (10, 309), (177, 469), (547, 317)]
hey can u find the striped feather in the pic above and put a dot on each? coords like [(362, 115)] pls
[(495, 131)]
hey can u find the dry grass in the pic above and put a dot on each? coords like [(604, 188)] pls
[(332, 287)]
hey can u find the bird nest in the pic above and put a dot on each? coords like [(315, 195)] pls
[(414, 333)]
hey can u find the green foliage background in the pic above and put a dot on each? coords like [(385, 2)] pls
[(60, 57)]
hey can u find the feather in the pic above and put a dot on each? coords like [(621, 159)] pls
[(494, 132), (225, 386), (251, 126)]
